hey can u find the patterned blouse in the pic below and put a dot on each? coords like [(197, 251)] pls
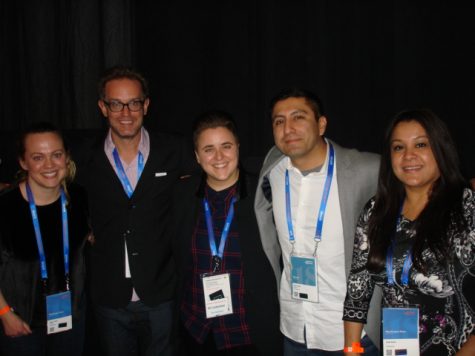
[(445, 294)]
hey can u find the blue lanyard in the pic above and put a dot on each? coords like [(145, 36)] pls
[(122, 176), (39, 240), (389, 259), (323, 203), (224, 234)]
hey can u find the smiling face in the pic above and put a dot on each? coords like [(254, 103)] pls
[(45, 160), (298, 133), (217, 152), (412, 159), (124, 124)]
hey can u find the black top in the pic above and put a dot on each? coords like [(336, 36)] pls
[(20, 274)]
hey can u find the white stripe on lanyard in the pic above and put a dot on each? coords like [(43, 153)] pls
[(323, 203), (389, 258), (122, 176), (39, 240), (224, 234)]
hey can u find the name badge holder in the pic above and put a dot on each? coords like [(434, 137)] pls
[(304, 268), (217, 294), (58, 305), (216, 284), (400, 324), (401, 331), (304, 278)]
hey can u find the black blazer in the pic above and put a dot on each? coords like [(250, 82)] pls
[(260, 297), (142, 220)]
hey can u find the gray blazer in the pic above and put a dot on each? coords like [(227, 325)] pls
[(357, 175)]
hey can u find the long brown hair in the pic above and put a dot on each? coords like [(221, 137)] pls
[(445, 202)]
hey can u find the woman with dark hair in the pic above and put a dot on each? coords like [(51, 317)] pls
[(416, 240), (43, 229), (227, 292)]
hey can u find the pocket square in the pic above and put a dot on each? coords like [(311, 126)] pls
[(160, 174)]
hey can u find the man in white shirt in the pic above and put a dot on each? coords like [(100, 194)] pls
[(310, 194)]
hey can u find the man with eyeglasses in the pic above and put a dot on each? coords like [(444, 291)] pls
[(129, 177)]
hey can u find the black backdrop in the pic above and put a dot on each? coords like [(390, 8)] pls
[(367, 59)]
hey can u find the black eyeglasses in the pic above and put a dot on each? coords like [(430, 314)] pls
[(117, 106)]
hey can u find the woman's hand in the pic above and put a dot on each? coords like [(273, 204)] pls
[(14, 326), (468, 348), (352, 335)]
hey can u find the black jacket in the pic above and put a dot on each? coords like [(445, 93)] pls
[(142, 220), (260, 297)]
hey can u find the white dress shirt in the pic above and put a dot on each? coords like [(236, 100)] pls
[(319, 325)]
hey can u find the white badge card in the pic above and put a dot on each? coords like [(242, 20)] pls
[(304, 278), (58, 312), (217, 293), (401, 331)]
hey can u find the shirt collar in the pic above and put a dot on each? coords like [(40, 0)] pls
[(144, 144), (323, 170)]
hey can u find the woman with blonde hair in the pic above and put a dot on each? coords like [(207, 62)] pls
[(43, 229)]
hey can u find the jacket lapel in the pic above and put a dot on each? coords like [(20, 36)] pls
[(344, 174)]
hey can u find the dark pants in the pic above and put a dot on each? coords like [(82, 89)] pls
[(69, 342), (292, 348), (208, 348), (136, 329)]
